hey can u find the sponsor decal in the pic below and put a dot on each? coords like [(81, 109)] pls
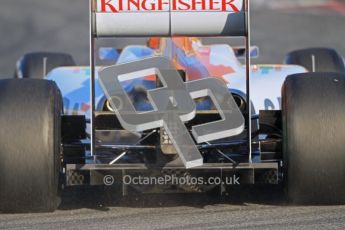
[(117, 6)]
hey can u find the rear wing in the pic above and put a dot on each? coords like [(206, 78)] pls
[(137, 18), (166, 18)]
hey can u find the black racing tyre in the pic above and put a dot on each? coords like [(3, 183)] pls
[(30, 121), (313, 107), (38, 65), (317, 60)]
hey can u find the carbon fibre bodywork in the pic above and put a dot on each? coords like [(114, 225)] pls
[(266, 80)]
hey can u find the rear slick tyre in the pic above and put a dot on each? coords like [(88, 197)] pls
[(30, 121), (313, 107)]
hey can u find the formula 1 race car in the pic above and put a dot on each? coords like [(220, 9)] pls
[(179, 112)]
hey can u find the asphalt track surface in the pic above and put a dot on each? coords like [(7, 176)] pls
[(277, 27)]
